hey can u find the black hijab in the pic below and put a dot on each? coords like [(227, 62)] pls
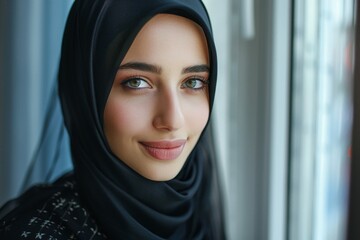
[(126, 205)]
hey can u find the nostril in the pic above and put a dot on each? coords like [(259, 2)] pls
[(169, 116)]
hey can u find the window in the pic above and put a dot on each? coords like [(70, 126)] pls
[(320, 118), (283, 116)]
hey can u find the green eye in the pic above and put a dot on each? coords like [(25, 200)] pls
[(136, 83), (192, 83), (195, 84)]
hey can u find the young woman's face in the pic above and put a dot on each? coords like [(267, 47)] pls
[(158, 105)]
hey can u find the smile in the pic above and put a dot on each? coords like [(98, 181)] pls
[(164, 150)]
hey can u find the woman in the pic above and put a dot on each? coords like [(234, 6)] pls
[(136, 84)]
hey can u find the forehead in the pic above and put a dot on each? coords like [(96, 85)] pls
[(169, 38)]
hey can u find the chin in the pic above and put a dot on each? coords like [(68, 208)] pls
[(161, 177), (160, 174)]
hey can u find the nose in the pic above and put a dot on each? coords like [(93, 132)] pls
[(169, 113)]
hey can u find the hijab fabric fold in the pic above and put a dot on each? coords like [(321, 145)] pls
[(126, 205)]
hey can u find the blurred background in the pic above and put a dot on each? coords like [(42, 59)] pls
[(283, 113)]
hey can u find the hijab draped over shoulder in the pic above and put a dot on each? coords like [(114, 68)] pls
[(97, 36)]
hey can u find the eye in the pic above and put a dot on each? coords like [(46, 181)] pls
[(136, 83), (195, 83)]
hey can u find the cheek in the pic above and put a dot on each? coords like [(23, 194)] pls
[(197, 115), (122, 118)]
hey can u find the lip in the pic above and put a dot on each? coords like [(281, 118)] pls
[(164, 150)]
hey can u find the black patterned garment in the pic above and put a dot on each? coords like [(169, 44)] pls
[(50, 212)]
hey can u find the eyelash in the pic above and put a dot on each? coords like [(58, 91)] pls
[(128, 80), (203, 81)]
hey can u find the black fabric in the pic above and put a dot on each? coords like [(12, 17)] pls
[(124, 204), (52, 212)]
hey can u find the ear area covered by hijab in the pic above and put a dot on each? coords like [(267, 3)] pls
[(97, 36)]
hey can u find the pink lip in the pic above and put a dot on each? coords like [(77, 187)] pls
[(164, 150)]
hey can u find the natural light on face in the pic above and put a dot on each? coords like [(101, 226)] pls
[(158, 105)]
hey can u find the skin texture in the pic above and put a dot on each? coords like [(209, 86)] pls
[(163, 99)]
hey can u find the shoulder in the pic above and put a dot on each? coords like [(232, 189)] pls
[(48, 212)]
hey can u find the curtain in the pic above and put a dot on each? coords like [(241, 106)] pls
[(30, 41), (251, 113)]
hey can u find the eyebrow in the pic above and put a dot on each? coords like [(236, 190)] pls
[(196, 69), (141, 66)]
